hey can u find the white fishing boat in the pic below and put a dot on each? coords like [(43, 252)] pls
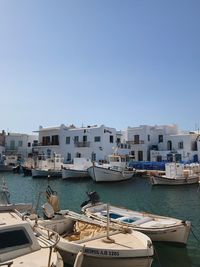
[(95, 242), (158, 228), (115, 170), (48, 167), (175, 174), (78, 169)]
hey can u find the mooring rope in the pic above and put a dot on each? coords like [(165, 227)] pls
[(159, 264)]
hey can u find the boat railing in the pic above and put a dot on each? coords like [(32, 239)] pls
[(46, 237)]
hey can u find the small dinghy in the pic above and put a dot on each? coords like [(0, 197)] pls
[(158, 228)]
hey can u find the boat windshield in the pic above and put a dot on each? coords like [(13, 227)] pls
[(13, 238)]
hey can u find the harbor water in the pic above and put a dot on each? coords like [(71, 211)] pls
[(181, 202)]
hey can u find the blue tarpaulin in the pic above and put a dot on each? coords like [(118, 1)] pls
[(147, 165)]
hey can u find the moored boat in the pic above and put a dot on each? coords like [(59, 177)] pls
[(115, 170), (100, 244), (78, 169), (110, 174), (158, 228), (48, 167), (39, 173), (175, 175)]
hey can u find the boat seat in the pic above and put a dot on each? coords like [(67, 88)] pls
[(134, 220), (143, 220)]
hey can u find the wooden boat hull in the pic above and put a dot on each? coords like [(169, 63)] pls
[(158, 228), (100, 174), (98, 253), (91, 261), (159, 180), (130, 248)]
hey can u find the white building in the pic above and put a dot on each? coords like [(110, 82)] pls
[(145, 137), (144, 143), (20, 144), (94, 142), (185, 146)]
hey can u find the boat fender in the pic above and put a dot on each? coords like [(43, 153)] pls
[(79, 259), (48, 210), (149, 244)]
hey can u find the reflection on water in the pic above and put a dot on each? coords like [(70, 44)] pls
[(177, 201)]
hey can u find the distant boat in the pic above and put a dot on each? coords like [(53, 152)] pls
[(175, 175), (158, 228), (48, 167), (115, 170), (78, 169)]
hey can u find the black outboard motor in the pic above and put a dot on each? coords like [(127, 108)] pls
[(93, 198)]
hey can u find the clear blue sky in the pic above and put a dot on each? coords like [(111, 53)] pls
[(114, 62)]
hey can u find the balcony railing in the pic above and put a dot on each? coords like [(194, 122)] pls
[(136, 142), (49, 144), (82, 144)]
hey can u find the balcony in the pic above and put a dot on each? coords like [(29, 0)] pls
[(82, 144), (136, 142), (48, 144)]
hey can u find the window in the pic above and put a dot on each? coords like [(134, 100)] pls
[(180, 145), (46, 140), (69, 156), (160, 138), (93, 156), (20, 143), (111, 138), (132, 153), (148, 137), (136, 139), (67, 140), (76, 139), (140, 155), (97, 139), (85, 138), (118, 140), (35, 142), (169, 145), (78, 155), (55, 140), (12, 144), (13, 238), (29, 144)]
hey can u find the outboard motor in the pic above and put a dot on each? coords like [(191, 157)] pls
[(93, 198)]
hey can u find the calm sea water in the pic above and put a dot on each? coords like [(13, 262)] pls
[(181, 202)]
